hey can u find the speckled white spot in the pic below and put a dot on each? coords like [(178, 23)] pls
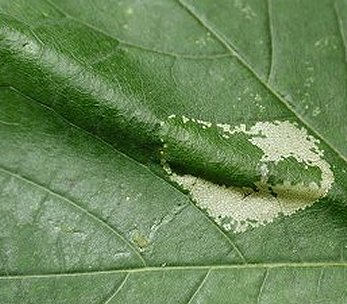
[(185, 119), (264, 171), (225, 127), (316, 111), (257, 97), (206, 124), (282, 139), (239, 209), (231, 207)]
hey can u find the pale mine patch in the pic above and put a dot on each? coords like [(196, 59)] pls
[(238, 209)]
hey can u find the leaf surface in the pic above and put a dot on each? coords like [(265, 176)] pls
[(96, 96)]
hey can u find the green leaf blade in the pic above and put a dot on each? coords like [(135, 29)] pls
[(96, 98)]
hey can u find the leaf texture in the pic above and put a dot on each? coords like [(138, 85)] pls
[(87, 91)]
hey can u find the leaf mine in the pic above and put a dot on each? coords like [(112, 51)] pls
[(285, 147)]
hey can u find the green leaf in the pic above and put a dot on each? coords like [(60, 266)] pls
[(173, 151)]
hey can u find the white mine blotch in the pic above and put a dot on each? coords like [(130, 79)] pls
[(239, 209)]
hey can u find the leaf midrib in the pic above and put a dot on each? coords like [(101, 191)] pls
[(284, 265)]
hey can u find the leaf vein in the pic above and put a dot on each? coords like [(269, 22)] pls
[(341, 32), (118, 289), (262, 285), (284, 265), (270, 28), (76, 206), (138, 46), (319, 282), (228, 45), (197, 290)]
